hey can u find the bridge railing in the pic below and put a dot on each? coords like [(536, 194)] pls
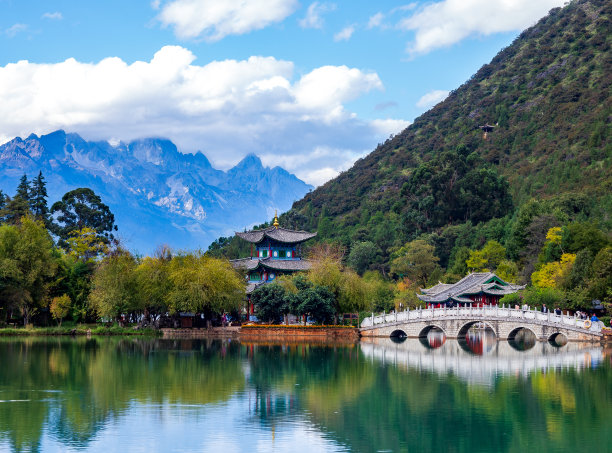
[(485, 312)]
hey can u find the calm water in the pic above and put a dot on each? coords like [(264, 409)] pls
[(125, 394)]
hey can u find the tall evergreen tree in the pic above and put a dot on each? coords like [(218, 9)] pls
[(19, 205), (38, 199)]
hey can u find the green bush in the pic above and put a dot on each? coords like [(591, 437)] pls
[(605, 320)]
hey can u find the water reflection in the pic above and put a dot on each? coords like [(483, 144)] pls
[(478, 341), (152, 395), (434, 339), (480, 358)]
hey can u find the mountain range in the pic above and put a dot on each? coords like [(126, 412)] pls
[(158, 194)]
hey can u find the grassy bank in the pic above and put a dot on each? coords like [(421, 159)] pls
[(82, 329)]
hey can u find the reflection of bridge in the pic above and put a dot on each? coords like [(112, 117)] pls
[(455, 322), (500, 359)]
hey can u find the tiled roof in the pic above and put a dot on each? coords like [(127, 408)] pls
[(474, 283), (277, 234), (280, 265)]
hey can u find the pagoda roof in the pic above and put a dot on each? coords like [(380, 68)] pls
[(475, 283), (250, 264), (277, 234)]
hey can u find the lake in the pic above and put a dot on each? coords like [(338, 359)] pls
[(430, 395)]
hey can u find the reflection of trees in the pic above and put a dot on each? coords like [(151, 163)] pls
[(408, 410), (98, 379), (363, 404), (320, 377)]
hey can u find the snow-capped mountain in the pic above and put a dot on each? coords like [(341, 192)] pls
[(158, 194)]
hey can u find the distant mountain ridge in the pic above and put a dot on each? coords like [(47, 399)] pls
[(158, 194)]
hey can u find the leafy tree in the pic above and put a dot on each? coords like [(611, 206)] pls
[(114, 286), (477, 262), (459, 266), (600, 285), (78, 209), (271, 302), (73, 277), (26, 266), (362, 256), (153, 281), (85, 244), (415, 260), (201, 284), (318, 302), (380, 294), (581, 270), (554, 275), (507, 271), (60, 307)]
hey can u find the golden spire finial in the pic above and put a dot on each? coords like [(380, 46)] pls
[(276, 224)]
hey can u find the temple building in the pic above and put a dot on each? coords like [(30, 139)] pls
[(274, 251), (484, 288)]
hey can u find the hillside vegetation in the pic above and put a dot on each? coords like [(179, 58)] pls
[(531, 200)]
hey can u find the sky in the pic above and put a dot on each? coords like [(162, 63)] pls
[(308, 85)]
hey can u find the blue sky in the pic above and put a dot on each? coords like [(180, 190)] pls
[(311, 86)]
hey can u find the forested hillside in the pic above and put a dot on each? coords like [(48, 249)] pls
[(548, 94), (534, 188)]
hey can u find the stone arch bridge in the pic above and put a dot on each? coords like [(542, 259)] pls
[(455, 322)]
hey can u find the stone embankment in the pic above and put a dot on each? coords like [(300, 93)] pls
[(256, 332)]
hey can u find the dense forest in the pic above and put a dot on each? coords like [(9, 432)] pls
[(530, 199)]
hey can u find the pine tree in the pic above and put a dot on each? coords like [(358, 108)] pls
[(38, 199), (19, 205)]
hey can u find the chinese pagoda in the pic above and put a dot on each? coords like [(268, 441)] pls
[(274, 252), (482, 288)]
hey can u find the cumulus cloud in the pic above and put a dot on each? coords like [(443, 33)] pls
[(345, 34), (224, 108), (432, 98), (15, 29), (53, 16), (213, 20), (314, 15), (444, 23), (155, 4)]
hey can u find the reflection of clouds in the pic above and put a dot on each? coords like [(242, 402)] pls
[(500, 359)]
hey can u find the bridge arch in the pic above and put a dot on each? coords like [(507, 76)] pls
[(398, 333), (465, 327), (423, 333), (558, 339), (514, 332), (522, 338)]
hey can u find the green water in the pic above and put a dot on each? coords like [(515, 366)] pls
[(152, 395)]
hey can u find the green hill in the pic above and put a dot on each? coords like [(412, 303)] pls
[(547, 161)]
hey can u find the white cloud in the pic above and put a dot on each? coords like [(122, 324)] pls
[(53, 16), (155, 4), (213, 20), (314, 15), (345, 34), (390, 126), (446, 22), (375, 20), (432, 98), (224, 108), (15, 29)]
